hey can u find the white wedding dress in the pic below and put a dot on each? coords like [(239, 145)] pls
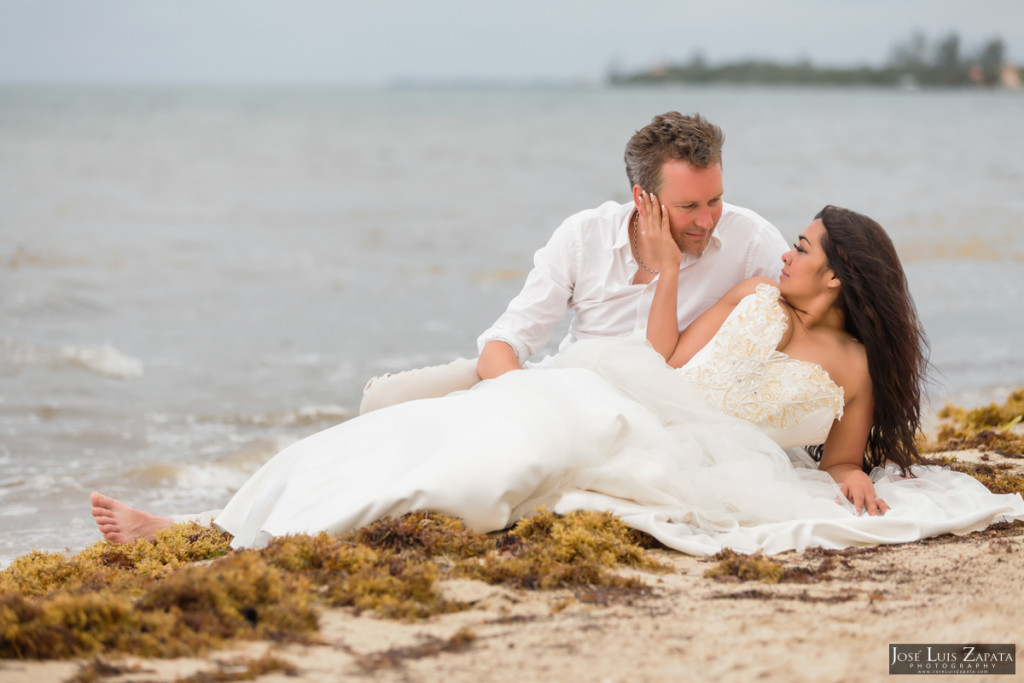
[(694, 456)]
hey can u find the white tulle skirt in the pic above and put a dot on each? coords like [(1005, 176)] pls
[(609, 428)]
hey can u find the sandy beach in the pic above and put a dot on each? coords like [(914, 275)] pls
[(836, 622)]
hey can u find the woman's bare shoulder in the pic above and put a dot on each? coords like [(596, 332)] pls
[(850, 368), (748, 287)]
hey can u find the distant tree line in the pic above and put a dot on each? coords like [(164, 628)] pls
[(916, 62)]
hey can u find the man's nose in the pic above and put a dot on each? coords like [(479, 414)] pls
[(705, 220)]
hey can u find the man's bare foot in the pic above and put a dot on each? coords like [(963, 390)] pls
[(122, 524)]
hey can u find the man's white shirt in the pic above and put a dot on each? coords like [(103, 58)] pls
[(587, 269)]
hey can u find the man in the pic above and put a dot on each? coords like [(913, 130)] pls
[(594, 265)]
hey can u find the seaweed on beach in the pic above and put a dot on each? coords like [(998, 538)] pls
[(396, 585), (395, 658), (243, 669), (998, 477), (992, 416), (995, 429), (186, 592), (552, 551), (733, 566), (425, 533), (122, 567), (991, 428), (184, 612)]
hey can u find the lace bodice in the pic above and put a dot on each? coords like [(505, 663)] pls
[(741, 372)]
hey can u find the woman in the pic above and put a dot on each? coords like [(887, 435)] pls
[(831, 356), (849, 310)]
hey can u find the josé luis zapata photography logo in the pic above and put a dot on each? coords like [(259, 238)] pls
[(952, 659)]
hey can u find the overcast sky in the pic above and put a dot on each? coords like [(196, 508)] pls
[(381, 41)]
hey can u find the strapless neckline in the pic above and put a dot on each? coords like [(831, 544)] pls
[(742, 372)]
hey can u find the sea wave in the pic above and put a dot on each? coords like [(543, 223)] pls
[(104, 359), (305, 415)]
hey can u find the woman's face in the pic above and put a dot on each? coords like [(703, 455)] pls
[(805, 268)]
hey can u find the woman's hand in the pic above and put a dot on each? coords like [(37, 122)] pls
[(656, 251), (859, 490), (654, 236)]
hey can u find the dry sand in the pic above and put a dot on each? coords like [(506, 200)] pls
[(686, 627)]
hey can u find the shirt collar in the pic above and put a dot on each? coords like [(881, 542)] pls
[(622, 236)]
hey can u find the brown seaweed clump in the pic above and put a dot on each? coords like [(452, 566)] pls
[(552, 551), (147, 601), (994, 429), (733, 566), (397, 584), (989, 428), (998, 477), (104, 565), (742, 567), (186, 592)]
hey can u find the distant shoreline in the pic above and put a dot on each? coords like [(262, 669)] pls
[(620, 83)]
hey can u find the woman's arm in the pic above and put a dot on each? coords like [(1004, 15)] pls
[(844, 448), (700, 331), (652, 227), (662, 320)]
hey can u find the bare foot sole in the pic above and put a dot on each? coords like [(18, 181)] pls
[(122, 524)]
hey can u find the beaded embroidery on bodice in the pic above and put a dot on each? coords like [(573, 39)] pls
[(741, 372)]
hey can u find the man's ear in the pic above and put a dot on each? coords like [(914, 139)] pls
[(637, 191)]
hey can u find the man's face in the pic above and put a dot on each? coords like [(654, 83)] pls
[(693, 200)]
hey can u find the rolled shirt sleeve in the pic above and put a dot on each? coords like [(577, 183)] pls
[(532, 316)]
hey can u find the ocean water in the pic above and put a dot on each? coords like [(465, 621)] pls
[(192, 278)]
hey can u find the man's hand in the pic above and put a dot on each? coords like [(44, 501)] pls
[(496, 359)]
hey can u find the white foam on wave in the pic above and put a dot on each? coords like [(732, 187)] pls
[(306, 415), (22, 510), (217, 475), (104, 360)]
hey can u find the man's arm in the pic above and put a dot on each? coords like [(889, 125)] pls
[(531, 317)]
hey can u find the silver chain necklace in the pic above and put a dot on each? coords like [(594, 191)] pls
[(636, 250)]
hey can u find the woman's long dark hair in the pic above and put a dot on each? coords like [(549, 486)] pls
[(880, 314)]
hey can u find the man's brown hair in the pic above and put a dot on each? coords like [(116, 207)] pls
[(692, 139)]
